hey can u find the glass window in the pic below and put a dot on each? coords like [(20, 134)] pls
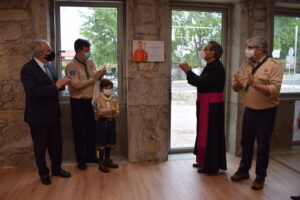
[(99, 25), (286, 51)]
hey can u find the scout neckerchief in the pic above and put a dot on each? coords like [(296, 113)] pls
[(259, 64), (85, 67), (254, 69)]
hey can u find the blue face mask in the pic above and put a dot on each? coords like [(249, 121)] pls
[(87, 55)]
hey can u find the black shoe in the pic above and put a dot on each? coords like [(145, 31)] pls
[(82, 166), (103, 167), (196, 165), (45, 179), (61, 173), (295, 197)]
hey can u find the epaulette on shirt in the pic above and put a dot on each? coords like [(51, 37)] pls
[(273, 60)]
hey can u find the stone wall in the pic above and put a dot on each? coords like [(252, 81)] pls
[(21, 21), (148, 102)]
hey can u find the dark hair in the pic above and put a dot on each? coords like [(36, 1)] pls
[(79, 44), (217, 48), (105, 83)]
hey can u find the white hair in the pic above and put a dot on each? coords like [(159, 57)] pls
[(37, 47), (259, 42)]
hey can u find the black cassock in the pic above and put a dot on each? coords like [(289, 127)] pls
[(210, 141)]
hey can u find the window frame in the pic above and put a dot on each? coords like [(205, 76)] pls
[(56, 37)]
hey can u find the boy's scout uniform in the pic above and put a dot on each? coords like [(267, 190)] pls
[(83, 120)]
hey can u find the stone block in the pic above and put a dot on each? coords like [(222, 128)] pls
[(146, 66), (12, 31), (10, 116), (259, 25), (144, 14), (13, 15), (150, 113), (13, 132), (11, 66), (9, 4), (259, 14), (148, 29)]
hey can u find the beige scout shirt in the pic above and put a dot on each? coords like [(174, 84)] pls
[(269, 74), (76, 72), (105, 104)]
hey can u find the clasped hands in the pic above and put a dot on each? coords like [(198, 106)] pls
[(185, 67), (238, 78)]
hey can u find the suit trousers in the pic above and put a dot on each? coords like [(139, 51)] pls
[(259, 125), (84, 129), (47, 137)]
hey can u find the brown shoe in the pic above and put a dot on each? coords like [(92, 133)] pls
[(238, 176), (258, 183), (109, 163), (103, 167)]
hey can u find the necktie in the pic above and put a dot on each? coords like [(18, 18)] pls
[(48, 72)]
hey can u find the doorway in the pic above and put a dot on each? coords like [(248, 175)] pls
[(192, 29)]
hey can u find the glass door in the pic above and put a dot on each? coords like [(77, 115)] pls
[(191, 31)]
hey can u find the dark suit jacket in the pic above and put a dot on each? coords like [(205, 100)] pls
[(42, 106)]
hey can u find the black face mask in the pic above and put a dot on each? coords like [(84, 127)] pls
[(50, 56)]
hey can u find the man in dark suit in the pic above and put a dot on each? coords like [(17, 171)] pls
[(42, 111)]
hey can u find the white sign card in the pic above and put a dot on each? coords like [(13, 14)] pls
[(148, 51)]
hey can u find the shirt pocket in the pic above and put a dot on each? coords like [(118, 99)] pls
[(264, 78)]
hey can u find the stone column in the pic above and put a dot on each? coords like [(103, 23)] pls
[(21, 22), (249, 18), (148, 102)]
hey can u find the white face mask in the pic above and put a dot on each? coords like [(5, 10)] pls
[(249, 53), (202, 54), (107, 92)]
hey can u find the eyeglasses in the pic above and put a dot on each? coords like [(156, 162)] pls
[(249, 47)]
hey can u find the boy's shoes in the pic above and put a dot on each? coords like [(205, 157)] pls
[(238, 176), (258, 183), (109, 163), (103, 167)]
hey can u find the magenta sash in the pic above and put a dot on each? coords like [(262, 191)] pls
[(204, 99)]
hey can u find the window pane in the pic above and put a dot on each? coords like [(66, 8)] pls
[(100, 27), (286, 51)]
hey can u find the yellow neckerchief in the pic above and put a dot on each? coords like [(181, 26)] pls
[(105, 97)]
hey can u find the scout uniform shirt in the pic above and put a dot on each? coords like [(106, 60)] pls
[(269, 74), (77, 72), (104, 104)]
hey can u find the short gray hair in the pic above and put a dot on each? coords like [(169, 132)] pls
[(259, 42), (37, 47)]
